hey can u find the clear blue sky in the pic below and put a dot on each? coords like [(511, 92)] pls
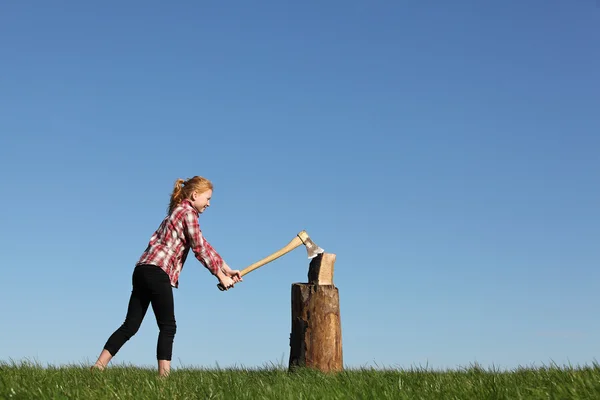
[(446, 152)]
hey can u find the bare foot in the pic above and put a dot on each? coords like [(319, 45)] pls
[(98, 367)]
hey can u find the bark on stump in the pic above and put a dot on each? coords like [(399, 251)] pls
[(316, 338)]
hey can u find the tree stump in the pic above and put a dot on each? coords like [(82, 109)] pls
[(316, 338)]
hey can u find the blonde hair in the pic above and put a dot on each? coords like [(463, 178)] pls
[(183, 189)]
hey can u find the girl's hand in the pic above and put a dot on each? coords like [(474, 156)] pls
[(225, 281), (234, 274)]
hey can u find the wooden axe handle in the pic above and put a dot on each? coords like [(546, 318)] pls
[(288, 247), (295, 242)]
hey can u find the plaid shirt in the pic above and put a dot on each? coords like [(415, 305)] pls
[(170, 244)]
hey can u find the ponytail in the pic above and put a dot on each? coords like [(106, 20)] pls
[(183, 189)]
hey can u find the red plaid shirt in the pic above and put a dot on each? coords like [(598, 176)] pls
[(170, 244)]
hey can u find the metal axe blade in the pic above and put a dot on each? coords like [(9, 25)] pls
[(312, 249)]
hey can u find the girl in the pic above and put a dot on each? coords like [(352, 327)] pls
[(157, 271)]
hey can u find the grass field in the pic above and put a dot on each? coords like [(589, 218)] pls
[(30, 381)]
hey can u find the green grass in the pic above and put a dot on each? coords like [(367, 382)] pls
[(26, 380)]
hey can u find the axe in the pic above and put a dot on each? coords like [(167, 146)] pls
[(301, 238)]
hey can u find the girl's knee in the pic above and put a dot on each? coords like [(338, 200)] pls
[(131, 327), (169, 328)]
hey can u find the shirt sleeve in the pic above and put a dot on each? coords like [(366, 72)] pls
[(203, 251)]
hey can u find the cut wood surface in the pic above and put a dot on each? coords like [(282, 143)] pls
[(320, 270)]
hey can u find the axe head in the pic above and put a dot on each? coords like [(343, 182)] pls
[(311, 248)]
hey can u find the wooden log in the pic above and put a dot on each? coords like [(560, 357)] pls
[(320, 270), (316, 338)]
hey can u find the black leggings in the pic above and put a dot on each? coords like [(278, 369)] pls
[(150, 285)]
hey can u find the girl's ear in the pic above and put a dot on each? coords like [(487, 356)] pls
[(193, 195)]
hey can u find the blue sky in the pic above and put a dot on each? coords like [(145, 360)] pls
[(446, 152)]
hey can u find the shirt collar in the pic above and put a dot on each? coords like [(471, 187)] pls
[(188, 203)]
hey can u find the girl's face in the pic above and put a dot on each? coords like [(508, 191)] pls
[(201, 201)]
